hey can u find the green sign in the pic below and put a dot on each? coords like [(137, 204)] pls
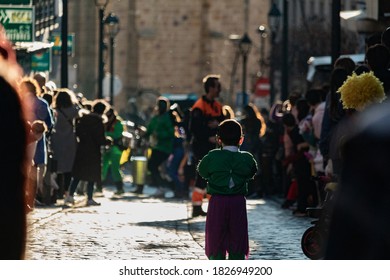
[(18, 23), (40, 61), (56, 39), (15, 2)]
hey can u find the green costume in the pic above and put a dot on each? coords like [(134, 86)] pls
[(227, 172), (112, 157), (162, 130)]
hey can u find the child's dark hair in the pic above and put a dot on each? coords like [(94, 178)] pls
[(230, 132)]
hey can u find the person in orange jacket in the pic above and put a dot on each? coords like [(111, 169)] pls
[(206, 114)]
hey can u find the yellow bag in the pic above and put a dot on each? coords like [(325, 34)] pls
[(125, 156)]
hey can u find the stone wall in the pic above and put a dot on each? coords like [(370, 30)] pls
[(168, 45)]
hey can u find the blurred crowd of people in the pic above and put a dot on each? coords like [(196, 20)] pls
[(68, 146), (337, 133), (58, 140), (53, 140)]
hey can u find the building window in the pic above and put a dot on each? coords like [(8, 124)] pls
[(44, 15)]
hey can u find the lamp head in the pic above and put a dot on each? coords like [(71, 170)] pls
[(112, 24), (245, 44), (274, 16)]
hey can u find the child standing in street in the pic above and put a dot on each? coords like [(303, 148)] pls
[(227, 171)]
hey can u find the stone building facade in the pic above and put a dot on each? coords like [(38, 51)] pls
[(168, 46)]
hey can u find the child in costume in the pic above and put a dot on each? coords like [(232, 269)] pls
[(227, 171)]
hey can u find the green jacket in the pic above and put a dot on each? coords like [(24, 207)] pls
[(115, 132), (161, 129), (227, 172)]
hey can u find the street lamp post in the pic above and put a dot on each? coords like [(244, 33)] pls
[(263, 34), (285, 52), (244, 46), (274, 23), (64, 45), (112, 26), (336, 31), (235, 39), (101, 4)]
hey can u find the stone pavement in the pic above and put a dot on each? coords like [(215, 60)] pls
[(122, 228), (274, 233), (144, 228)]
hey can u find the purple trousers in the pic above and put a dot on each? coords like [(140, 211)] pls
[(227, 226)]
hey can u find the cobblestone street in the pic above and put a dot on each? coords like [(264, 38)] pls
[(274, 233), (125, 228), (143, 228)]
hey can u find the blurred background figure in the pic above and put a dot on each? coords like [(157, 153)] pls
[(333, 113), (161, 133), (13, 174), (175, 163), (112, 156), (14, 159), (63, 139), (252, 126), (31, 91), (360, 225), (87, 163), (272, 151), (41, 79), (378, 60), (206, 114)]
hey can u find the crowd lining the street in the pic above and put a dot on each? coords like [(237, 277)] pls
[(64, 139)]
